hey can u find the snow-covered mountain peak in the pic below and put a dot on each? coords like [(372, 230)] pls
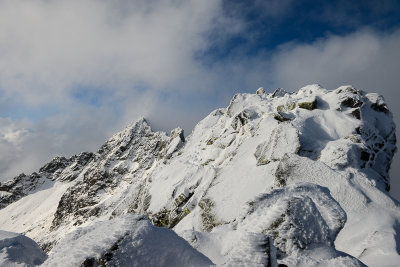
[(326, 119), (273, 178), (123, 138)]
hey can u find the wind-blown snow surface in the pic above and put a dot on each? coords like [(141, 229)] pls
[(299, 179), (18, 250), (135, 242)]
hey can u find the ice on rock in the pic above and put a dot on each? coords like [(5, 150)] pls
[(177, 140), (243, 118), (260, 91), (341, 154), (279, 92), (284, 139), (297, 217)]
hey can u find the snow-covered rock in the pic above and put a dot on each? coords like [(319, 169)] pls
[(299, 179), (59, 169), (19, 250), (128, 240)]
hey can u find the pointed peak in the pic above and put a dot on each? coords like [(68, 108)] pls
[(130, 132), (139, 121), (136, 126), (142, 120), (178, 132)]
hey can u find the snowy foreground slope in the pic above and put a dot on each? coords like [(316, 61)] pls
[(19, 250), (297, 179), (135, 242)]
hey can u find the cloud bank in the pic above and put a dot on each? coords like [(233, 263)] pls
[(73, 72)]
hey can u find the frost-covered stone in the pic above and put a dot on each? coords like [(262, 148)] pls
[(228, 247), (296, 217), (284, 139), (177, 141), (128, 240), (279, 92), (260, 91)]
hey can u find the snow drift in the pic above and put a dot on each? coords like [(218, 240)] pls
[(19, 250)]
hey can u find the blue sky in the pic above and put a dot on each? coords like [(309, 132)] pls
[(74, 72), (269, 24)]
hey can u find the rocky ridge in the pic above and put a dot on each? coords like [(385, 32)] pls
[(291, 178)]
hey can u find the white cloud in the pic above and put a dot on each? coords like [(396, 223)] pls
[(367, 60), (12, 136), (126, 53), (47, 47)]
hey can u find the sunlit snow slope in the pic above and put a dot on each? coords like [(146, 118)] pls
[(298, 179)]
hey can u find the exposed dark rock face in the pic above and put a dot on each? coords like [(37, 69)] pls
[(62, 169), (282, 117), (18, 187), (59, 169), (278, 92), (242, 119), (123, 159), (351, 102), (310, 105)]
